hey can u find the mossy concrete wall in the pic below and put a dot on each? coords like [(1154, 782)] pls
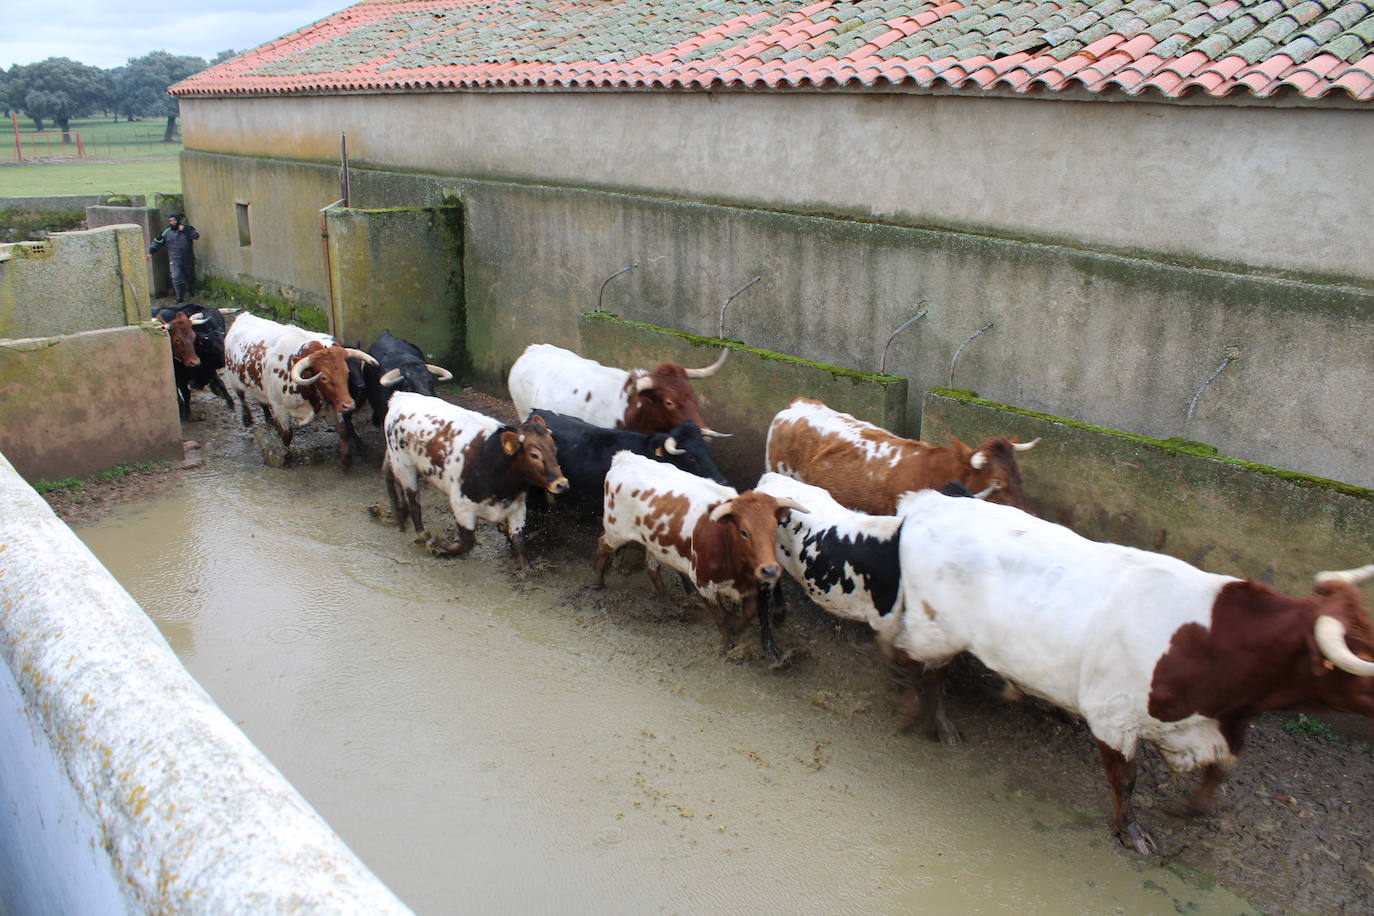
[(73, 281), (749, 389), (1125, 342), (150, 220), (69, 202), (85, 402), (1175, 497), (399, 269)]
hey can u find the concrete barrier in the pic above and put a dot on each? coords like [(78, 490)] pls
[(73, 281), (58, 203), (1173, 496), (81, 403), (123, 788), (753, 385)]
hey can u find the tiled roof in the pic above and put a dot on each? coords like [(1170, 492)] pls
[(1312, 48)]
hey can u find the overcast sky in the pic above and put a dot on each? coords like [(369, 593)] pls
[(106, 33)]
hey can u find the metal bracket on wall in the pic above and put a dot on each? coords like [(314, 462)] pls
[(882, 361), (601, 292), (1230, 355), (720, 326), (961, 349)]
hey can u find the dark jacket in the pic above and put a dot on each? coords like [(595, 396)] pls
[(178, 240)]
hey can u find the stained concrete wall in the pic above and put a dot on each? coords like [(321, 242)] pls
[(123, 788), (73, 281), (749, 389), (399, 269), (67, 202), (82, 403), (1210, 510), (150, 220)]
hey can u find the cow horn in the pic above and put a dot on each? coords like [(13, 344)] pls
[(360, 354), (644, 383), (711, 369), (787, 502), (712, 434), (1330, 634), (719, 512), (200, 319), (301, 366), (1353, 576), (1026, 446), (440, 373), (987, 491), (390, 378), (670, 446), (978, 461)]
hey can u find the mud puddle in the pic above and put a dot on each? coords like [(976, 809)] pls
[(492, 744)]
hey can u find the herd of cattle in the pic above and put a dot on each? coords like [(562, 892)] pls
[(931, 546)]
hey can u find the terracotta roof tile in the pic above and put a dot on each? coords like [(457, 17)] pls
[(1168, 46)]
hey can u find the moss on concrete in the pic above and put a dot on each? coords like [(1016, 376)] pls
[(227, 294)]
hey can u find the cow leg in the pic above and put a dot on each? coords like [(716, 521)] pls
[(771, 600), (283, 429), (217, 387), (750, 604), (933, 690), (604, 554), (515, 533), (655, 571), (344, 431), (688, 585), (184, 400), (1121, 780), (727, 639), (247, 413)]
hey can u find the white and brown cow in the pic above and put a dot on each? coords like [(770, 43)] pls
[(484, 466), (867, 468), (294, 374), (1143, 646), (551, 378), (719, 539)]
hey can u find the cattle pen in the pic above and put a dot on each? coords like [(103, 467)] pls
[(438, 711)]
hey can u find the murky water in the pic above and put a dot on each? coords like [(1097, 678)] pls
[(490, 745)]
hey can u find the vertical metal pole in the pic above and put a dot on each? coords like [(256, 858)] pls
[(18, 147), (343, 168)]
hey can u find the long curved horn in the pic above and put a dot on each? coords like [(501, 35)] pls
[(712, 434), (644, 383), (301, 366), (440, 373), (978, 460), (670, 446), (719, 512), (360, 354), (711, 369), (1353, 576), (390, 378), (1330, 635), (1026, 446), (202, 318), (787, 502), (986, 492)]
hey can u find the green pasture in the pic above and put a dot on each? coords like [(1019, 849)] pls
[(122, 157)]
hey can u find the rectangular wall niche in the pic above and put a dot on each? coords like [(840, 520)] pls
[(245, 234)]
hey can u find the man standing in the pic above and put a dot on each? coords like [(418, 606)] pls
[(178, 237)]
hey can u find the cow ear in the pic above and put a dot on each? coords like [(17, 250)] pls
[(510, 442), (537, 421), (658, 452), (958, 446)]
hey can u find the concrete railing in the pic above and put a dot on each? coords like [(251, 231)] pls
[(123, 788)]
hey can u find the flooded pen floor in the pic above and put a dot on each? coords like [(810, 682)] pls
[(487, 744)]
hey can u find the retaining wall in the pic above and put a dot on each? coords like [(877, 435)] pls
[(150, 220), (749, 389), (123, 788), (82, 403), (73, 281), (70, 202), (1176, 497)]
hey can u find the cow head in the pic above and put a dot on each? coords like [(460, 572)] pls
[(417, 379), (663, 398), (321, 372), (182, 331), (685, 448), (1342, 642), (993, 464), (747, 536), (535, 458)]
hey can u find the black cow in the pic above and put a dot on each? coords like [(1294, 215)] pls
[(201, 369), (400, 366), (585, 452)]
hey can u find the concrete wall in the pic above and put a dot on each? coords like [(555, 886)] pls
[(70, 202), (750, 388), (1212, 184), (1215, 512), (123, 788), (74, 281), (82, 403), (399, 269), (150, 220)]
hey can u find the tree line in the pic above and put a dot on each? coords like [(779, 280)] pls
[(59, 89)]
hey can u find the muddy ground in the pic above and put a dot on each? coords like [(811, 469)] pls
[(1290, 831)]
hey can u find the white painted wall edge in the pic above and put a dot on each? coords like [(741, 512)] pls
[(125, 788)]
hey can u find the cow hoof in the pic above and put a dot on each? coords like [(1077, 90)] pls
[(946, 736), (1134, 837), (784, 660)]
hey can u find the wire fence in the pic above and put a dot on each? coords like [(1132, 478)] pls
[(111, 144)]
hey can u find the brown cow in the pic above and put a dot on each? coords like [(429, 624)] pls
[(867, 468), (719, 539)]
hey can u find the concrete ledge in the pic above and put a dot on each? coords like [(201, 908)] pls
[(1176, 497), (70, 202), (123, 788), (753, 385), (74, 281), (82, 403)]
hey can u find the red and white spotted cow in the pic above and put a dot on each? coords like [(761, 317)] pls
[(716, 537), (294, 374), (481, 464), (1143, 646), (546, 377), (867, 468)]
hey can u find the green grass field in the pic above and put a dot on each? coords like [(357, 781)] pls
[(124, 157)]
